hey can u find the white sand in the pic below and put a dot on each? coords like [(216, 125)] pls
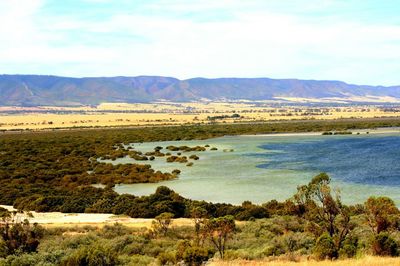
[(59, 219)]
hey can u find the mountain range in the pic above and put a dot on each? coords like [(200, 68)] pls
[(39, 90)]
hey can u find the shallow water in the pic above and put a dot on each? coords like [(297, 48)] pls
[(262, 168)]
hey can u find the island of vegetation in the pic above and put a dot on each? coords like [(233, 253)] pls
[(55, 171)]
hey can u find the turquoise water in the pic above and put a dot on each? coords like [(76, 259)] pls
[(262, 168)]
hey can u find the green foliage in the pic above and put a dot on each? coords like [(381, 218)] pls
[(324, 212), (3, 249), (349, 248), (196, 255), (384, 245), (136, 260), (33, 259), (162, 222), (167, 258), (192, 254), (93, 255), (18, 236), (54, 171), (4, 213), (51, 171), (382, 214), (218, 231), (113, 231), (325, 247)]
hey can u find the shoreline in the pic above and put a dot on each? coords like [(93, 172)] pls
[(25, 130), (71, 219), (365, 131)]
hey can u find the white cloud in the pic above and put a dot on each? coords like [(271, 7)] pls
[(252, 43)]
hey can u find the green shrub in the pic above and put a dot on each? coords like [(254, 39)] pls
[(115, 230), (19, 237), (136, 260), (384, 245), (33, 259), (167, 258), (74, 242), (93, 255), (192, 254), (349, 248), (275, 249), (3, 249), (325, 247), (197, 255)]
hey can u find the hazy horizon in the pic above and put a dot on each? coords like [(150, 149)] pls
[(208, 78)]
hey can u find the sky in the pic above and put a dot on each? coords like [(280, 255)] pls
[(357, 41)]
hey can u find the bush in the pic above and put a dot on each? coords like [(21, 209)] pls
[(3, 249), (349, 248), (94, 255), (384, 245), (192, 254), (136, 260), (325, 247), (37, 259), (115, 230), (19, 237), (197, 255), (275, 249), (166, 258), (162, 223)]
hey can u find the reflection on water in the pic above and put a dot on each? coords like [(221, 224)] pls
[(262, 168)]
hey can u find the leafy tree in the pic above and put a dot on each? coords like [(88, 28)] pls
[(19, 236), (323, 211), (381, 213), (350, 247), (162, 222), (325, 247), (218, 231), (384, 245), (198, 214)]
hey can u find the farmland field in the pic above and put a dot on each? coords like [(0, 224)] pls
[(169, 113)]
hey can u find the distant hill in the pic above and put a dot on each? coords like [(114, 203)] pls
[(34, 90)]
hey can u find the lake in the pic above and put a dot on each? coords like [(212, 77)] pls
[(265, 167)]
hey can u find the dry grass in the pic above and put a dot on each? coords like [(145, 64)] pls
[(112, 114), (365, 261)]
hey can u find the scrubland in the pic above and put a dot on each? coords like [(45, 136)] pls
[(165, 113), (55, 172)]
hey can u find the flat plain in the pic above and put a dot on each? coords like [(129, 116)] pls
[(170, 113)]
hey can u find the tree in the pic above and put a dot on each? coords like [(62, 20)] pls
[(384, 245), (17, 235), (381, 213), (325, 247), (323, 211), (219, 230), (162, 222), (199, 215)]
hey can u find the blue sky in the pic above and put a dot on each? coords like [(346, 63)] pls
[(357, 41)]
